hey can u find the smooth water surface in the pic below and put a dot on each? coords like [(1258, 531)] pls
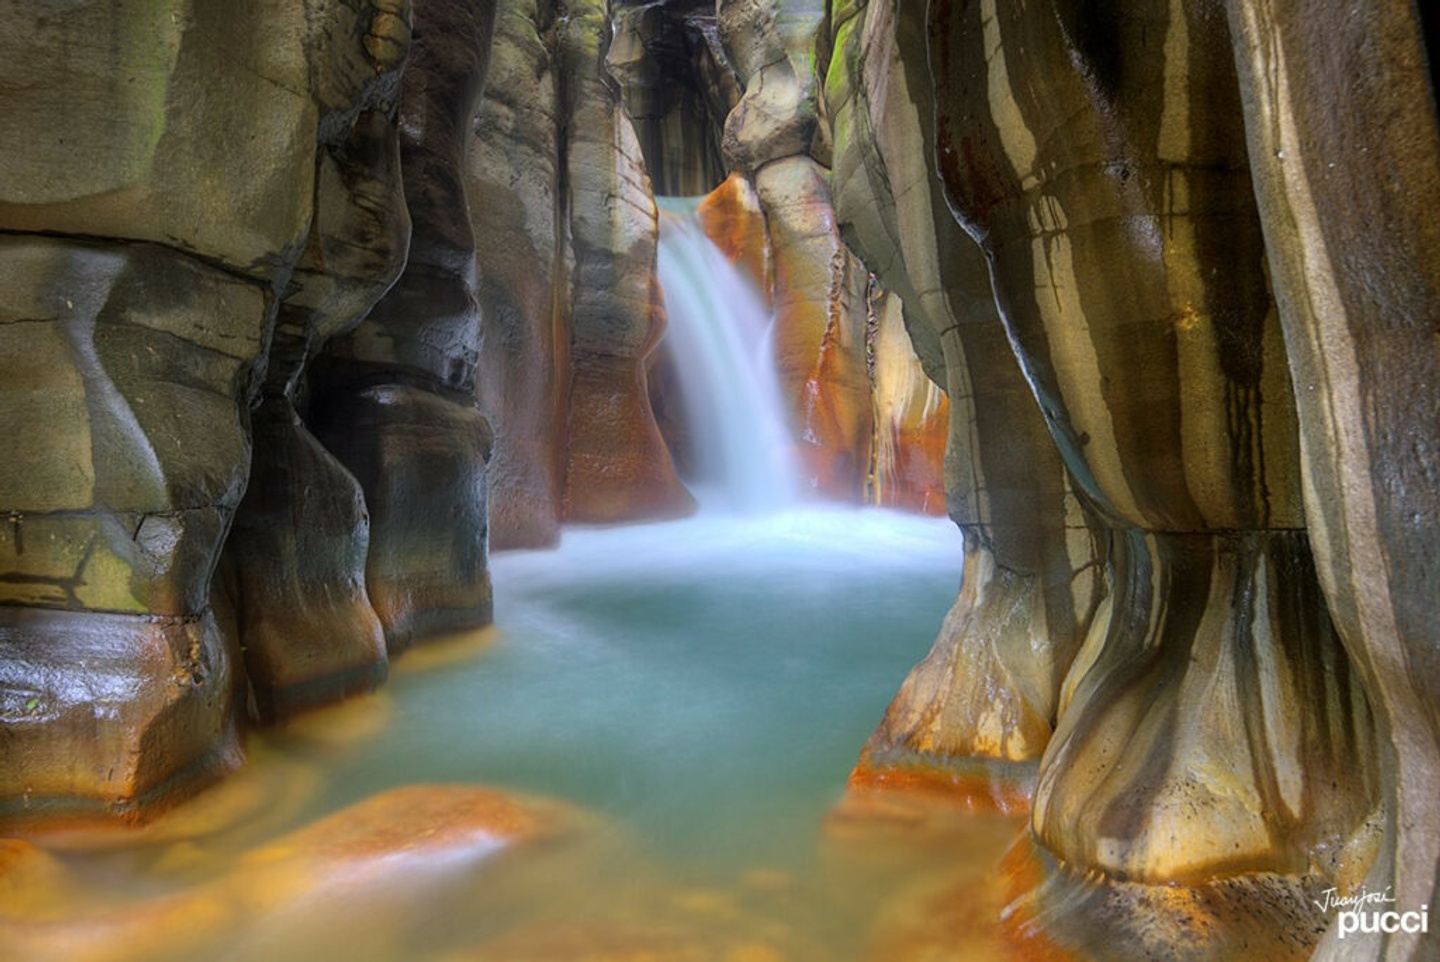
[(709, 682), (695, 693)]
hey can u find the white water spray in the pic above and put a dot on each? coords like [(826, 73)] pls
[(719, 334)]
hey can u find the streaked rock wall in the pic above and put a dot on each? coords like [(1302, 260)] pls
[(153, 231), (1345, 155)]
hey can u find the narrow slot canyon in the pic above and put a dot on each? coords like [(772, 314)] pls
[(719, 481)]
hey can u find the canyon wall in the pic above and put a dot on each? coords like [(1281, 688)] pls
[(273, 285), (202, 172), (1344, 150), (990, 688), (571, 310), (1214, 721)]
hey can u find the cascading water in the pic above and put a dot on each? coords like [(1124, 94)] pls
[(719, 333)]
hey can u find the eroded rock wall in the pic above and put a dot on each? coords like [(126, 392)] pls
[(393, 399), (1345, 156), (618, 467), (776, 137), (678, 88), (990, 688), (514, 179), (152, 230)]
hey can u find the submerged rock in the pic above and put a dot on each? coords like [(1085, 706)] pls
[(357, 877)]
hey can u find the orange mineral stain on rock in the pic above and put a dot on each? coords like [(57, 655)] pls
[(731, 216), (882, 787), (355, 876)]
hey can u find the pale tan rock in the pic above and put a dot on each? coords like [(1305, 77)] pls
[(1344, 150), (990, 687), (618, 466), (1126, 256), (513, 171)]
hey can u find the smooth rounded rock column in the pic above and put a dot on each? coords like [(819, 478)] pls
[(1211, 724), (989, 689), (394, 399), (1345, 155)]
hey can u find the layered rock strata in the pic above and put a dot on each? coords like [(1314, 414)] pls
[(566, 218), (990, 688), (152, 229), (618, 467), (776, 137), (1344, 151), (393, 399), (1211, 723), (678, 88)]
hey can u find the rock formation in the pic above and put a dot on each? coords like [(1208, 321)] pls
[(297, 551), (1344, 150), (990, 687), (152, 229), (514, 183), (775, 136), (1128, 264), (394, 398), (678, 88), (278, 276), (619, 468)]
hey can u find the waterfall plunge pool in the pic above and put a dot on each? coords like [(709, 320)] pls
[(698, 689)]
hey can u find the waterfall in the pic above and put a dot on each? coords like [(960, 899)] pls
[(719, 335)]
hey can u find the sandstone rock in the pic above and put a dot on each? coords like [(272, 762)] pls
[(772, 45), (393, 399), (618, 468), (512, 176), (115, 515), (207, 144), (911, 415), (426, 569), (678, 88), (194, 148), (1127, 260), (820, 313), (1344, 149), (109, 713), (990, 687), (298, 549), (731, 216), (299, 541)]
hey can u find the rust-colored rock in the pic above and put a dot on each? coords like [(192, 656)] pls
[(731, 216), (618, 467)]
